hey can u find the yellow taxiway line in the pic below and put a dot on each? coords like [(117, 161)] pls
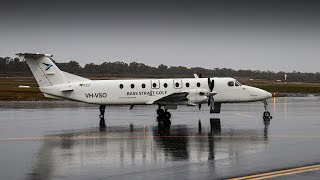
[(279, 173)]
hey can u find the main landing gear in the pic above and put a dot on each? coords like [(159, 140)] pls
[(102, 121), (266, 114), (163, 117)]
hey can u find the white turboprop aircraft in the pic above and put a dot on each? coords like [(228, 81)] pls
[(166, 93)]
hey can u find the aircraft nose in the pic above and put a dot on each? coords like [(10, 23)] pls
[(264, 94), (268, 95)]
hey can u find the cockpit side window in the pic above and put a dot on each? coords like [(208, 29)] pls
[(230, 83)]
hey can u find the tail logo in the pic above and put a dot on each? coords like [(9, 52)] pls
[(48, 66)]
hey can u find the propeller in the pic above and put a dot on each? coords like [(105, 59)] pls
[(211, 94), (209, 100), (211, 86)]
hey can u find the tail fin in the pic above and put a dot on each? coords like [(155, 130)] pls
[(46, 72)]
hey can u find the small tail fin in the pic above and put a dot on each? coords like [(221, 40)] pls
[(46, 72)]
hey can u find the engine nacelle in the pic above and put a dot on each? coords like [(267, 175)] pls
[(197, 95)]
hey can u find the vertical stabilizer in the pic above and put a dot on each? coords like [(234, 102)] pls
[(43, 69)]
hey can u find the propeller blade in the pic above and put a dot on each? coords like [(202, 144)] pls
[(211, 104), (199, 106), (210, 84), (211, 108), (209, 100)]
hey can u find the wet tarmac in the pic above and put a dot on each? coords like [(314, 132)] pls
[(61, 140)]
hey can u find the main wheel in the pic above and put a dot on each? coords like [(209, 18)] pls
[(167, 123), (266, 114), (167, 115), (160, 111)]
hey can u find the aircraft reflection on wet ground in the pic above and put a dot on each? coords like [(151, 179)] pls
[(117, 147), (51, 140)]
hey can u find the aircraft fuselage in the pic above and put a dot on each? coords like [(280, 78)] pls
[(147, 91)]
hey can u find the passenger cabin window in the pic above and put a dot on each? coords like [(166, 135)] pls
[(187, 84), (143, 86), (154, 85), (165, 85), (132, 86), (121, 86), (230, 83), (177, 84), (198, 84)]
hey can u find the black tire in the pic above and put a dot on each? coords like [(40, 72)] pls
[(167, 123), (266, 114), (167, 115), (161, 117), (160, 111)]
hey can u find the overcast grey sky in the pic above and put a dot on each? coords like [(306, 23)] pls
[(277, 35)]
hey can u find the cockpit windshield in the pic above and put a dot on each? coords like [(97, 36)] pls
[(238, 83), (234, 83)]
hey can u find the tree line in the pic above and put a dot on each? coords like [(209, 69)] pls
[(13, 66)]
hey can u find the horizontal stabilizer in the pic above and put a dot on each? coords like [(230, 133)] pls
[(51, 96), (33, 55), (66, 88)]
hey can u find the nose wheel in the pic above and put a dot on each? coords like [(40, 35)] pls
[(163, 117), (266, 113), (102, 123)]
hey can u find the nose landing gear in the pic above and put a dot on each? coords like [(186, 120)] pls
[(163, 117), (266, 114), (102, 123)]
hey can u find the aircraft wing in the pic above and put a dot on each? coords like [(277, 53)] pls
[(175, 97)]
